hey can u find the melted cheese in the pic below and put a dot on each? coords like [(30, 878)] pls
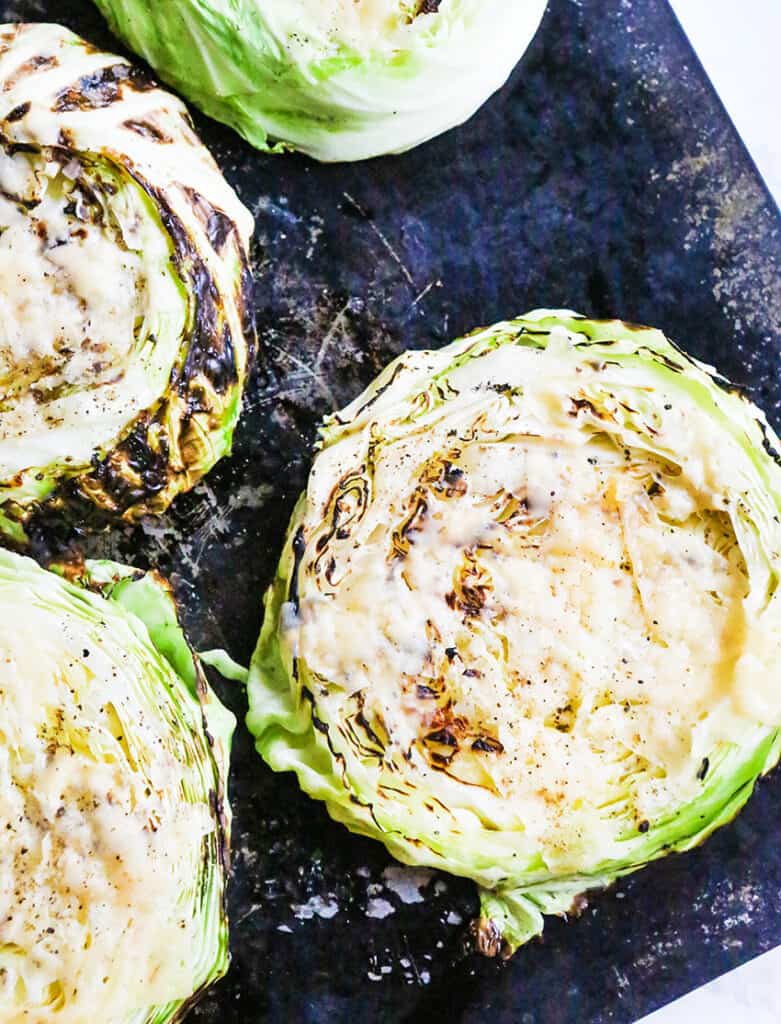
[(519, 612), (100, 850), (90, 312)]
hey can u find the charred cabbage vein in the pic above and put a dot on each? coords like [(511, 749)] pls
[(526, 625), (338, 79), (123, 270), (113, 762)]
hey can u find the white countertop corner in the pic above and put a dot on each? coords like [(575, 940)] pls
[(739, 45)]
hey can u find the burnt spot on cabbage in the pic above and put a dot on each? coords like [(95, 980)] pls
[(444, 477), (12, 148), (102, 88), (489, 941), (346, 506), (365, 730), (423, 691), (487, 745), (147, 130), (768, 446), (210, 347), (299, 548), (133, 473), (37, 63), (66, 142), (398, 369), (217, 225), (322, 727), (144, 471), (472, 586), (413, 522), (18, 112), (578, 405), (8, 36)]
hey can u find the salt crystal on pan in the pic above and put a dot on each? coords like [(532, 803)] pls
[(407, 882), (316, 905), (378, 908)]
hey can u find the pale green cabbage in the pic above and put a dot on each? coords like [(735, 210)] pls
[(113, 766), (125, 285), (337, 79), (404, 707)]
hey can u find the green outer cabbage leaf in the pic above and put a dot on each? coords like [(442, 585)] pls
[(516, 897), (233, 59), (65, 99)]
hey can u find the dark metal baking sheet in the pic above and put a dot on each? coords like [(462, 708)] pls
[(605, 177)]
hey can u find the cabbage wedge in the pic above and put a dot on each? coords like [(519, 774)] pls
[(124, 339), (526, 627), (337, 79), (113, 772)]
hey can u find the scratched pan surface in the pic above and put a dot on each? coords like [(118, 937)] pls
[(605, 177)]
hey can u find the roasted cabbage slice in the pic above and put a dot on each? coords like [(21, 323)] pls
[(526, 627), (113, 767), (338, 79), (123, 280)]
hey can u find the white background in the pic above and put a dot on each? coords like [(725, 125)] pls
[(739, 42)]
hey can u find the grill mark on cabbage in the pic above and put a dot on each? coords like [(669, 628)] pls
[(472, 587), (218, 227), (768, 446), (18, 112), (424, 692), (102, 88), (26, 204), (244, 302), (217, 808), (209, 358), (583, 404), (217, 363), (339, 759), (148, 131), (12, 148), (403, 537), (399, 368), (207, 307), (452, 483), (362, 721), (37, 63), (341, 525), (299, 549), (66, 142), (488, 745)]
